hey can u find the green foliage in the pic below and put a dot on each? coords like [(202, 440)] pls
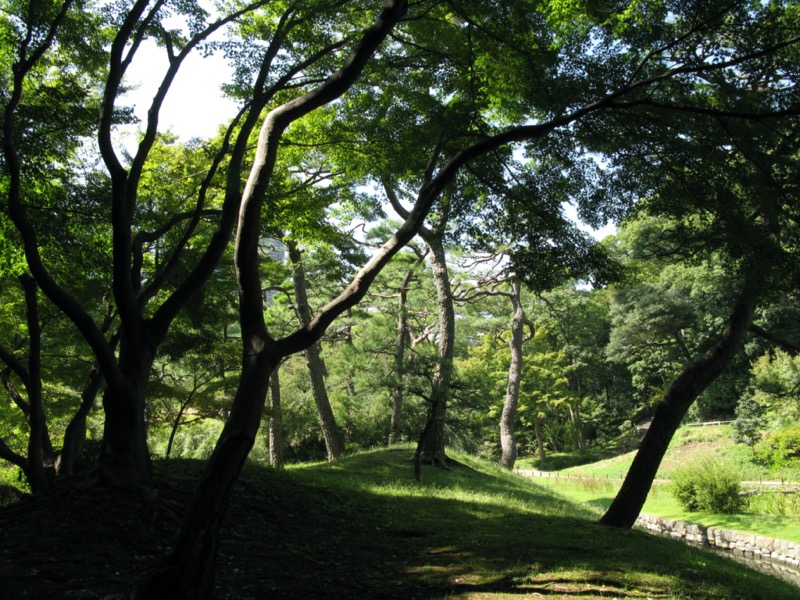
[(707, 486), (668, 312), (780, 448), (776, 386), (781, 503), (193, 440), (750, 421)]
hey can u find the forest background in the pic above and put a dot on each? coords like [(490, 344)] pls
[(389, 201)]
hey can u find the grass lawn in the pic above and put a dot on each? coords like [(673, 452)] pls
[(713, 442), (598, 494), (361, 528), (689, 444)]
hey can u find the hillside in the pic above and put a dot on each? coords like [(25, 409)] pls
[(689, 445), (360, 528)]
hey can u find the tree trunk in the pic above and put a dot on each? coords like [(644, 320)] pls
[(36, 471), (125, 457), (670, 411), (334, 444), (39, 459), (177, 423), (75, 434), (189, 572), (508, 444), (275, 421), (399, 360), (577, 423), (316, 367), (431, 446), (537, 430)]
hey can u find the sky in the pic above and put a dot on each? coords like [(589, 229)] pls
[(194, 106)]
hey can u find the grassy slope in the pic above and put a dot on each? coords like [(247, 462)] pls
[(479, 532), (689, 445), (362, 528)]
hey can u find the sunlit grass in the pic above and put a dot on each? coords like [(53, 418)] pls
[(598, 494), (713, 442), (478, 531)]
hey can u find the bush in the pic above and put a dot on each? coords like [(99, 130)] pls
[(779, 449), (708, 487)]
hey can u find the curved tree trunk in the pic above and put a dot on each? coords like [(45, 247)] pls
[(670, 411), (189, 572), (508, 444), (316, 366)]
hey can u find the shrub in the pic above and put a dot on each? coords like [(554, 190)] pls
[(707, 486), (779, 449), (774, 502)]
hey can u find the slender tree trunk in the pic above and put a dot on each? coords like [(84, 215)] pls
[(508, 443), (399, 360), (275, 420), (316, 367), (38, 463), (37, 472), (334, 444), (431, 446), (177, 422), (670, 411)]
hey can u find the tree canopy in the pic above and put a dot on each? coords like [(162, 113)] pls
[(477, 122)]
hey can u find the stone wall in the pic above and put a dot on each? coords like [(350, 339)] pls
[(776, 557)]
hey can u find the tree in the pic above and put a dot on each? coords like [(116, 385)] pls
[(508, 443), (662, 312), (190, 569), (742, 200), (316, 366), (402, 341), (431, 445), (41, 35), (194, 554), (275, 420), (508, 74)]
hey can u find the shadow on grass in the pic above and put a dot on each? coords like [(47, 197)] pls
[(364, 529), (360, 528)]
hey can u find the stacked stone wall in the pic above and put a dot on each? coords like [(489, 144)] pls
[(777, 557)]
